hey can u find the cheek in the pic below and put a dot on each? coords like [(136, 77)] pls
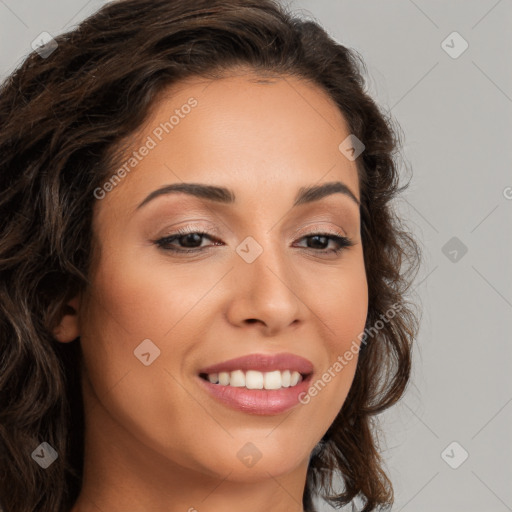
[(344, 303), (130, 304), (344, 309), (142, 299), (135, 298)]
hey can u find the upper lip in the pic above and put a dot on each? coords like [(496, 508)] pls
[(263, 363)]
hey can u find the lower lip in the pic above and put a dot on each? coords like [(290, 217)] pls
[(258, 401)]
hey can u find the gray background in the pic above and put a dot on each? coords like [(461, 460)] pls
[(455, 114)]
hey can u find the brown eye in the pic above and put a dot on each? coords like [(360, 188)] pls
[(188, 241), (323, 239)]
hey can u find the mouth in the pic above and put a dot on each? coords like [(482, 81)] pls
[(253, 379), (258, 383)]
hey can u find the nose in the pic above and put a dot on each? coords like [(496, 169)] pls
[(265, 293)]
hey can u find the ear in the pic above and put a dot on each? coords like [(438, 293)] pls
[(68, 328)]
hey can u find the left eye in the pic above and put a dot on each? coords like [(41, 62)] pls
[(191, 240)]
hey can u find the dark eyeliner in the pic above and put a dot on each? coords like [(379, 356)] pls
[(163, 243)]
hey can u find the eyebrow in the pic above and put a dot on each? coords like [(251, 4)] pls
[(227, 196)]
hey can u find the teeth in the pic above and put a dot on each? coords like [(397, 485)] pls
[(224, 378), (213, 378), (272, 380), (256, 380), (237, 379)]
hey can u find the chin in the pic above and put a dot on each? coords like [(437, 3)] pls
[(250, 461)]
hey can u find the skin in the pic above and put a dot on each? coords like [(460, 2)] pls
[(156, 441)]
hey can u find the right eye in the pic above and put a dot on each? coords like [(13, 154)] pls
[(186, 237)]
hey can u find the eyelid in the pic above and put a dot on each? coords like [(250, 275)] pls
[(316, 227), (301, 232), (338, 237), (190, 228)]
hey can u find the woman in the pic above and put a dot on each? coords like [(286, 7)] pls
[(202, 276)]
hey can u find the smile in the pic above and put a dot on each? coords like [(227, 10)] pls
[(260, 384), (253, 379)]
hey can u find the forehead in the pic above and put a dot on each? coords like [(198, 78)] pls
[(247, 132)]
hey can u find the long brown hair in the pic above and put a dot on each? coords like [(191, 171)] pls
[(63, 119)]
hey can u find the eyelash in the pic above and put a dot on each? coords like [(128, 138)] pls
[(163, 243)]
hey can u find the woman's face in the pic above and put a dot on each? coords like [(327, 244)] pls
[(258, 283)]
